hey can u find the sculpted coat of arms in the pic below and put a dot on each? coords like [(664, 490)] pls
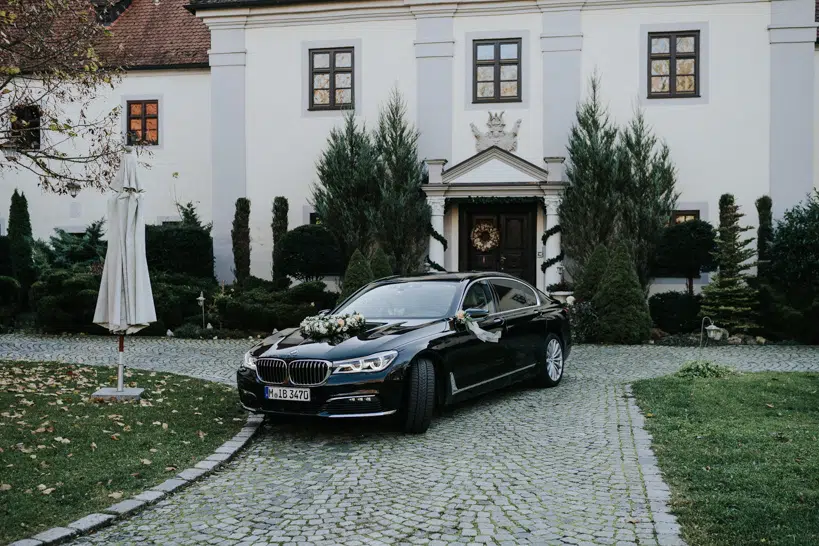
[(496, 136)]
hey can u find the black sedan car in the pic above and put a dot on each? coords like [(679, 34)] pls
[(426, 341)]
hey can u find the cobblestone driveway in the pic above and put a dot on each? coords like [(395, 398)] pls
[(565, 465)]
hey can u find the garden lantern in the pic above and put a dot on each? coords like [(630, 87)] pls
[(201, 301), (714, 332)]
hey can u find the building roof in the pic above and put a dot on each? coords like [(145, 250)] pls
[(216, 4), (157, 34)]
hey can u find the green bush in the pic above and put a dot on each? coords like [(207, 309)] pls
[(279, 227), (194, 331), (675, 312), (358, 274), (240, 235), (588, 283), (620, 305), (584, 322), (187, 250), (68, 249), (5, 256), (380, 264), (308, 252), (64, 300), (704, 369), (10, 297), (175, 300), (686, 250)]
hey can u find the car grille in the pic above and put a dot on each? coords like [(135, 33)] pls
[(308, 372), (301, 372), (271, 370)]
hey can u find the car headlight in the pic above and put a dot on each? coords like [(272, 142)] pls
[(249, 361), (372, 363)]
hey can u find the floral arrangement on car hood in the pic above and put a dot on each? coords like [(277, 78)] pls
[(332, 326), (462, 319)]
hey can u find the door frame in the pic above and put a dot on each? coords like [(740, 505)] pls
[(465, 210)]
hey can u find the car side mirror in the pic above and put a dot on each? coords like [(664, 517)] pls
[(475, 313)]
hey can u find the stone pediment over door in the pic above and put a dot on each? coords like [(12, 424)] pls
[(494, 166)]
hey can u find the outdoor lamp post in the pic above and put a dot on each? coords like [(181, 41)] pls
[(201, 301), (714, 332)]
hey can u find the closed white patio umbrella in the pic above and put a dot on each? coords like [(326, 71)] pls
[(125, 303)]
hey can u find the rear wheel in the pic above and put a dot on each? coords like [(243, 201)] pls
[(551, 370), (420, 397)]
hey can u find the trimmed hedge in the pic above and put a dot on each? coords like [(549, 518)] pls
[(675, 312), (175, 300), (10, 297), (179, 249), (308, 253), (620, 304), (358, 274), (64, 300), (380, 264), (5, 256)]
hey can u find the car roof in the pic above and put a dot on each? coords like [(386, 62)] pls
[(446, 276)]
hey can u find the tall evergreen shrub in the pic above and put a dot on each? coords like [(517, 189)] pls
[(357, 275), (728, 300), (20, 242), (620, 302), (278, 226), (764, 235), (686, 250), (240, 235), (380, 264), (589, 281)]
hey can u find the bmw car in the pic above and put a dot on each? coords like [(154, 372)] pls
[(427, 341)]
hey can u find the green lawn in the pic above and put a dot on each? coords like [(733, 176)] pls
[(741, 455), (62, 456)]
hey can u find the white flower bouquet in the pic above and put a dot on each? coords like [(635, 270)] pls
[(324, 326)]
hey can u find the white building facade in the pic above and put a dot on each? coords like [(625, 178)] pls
[(728, 84)]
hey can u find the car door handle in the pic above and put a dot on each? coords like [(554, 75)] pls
[(497, 320)]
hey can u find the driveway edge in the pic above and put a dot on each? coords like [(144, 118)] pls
[(666, 528), (129, 507)]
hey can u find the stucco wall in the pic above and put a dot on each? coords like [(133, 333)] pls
[(184, 98), (284, 141)]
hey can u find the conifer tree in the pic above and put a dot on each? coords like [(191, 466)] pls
[(589, 281), (402, 218), (240, 235), (620, 303), (20, 241), (380, 264), (348, 189), (357, 275), (764, 235), (278, 226), (728, 300), (595, 169)]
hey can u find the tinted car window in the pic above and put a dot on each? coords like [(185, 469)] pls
[(479, 296), (428, 299), (513, 295)]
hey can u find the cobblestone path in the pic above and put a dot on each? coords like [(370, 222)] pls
[(568, 465)]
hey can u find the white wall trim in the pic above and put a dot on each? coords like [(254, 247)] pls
[(525, 64), (704, 61), (160, 98), (358, 87)]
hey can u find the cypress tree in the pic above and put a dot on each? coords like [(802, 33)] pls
[(728, 300), (240, 235), (20, 242), (764, 235), (357, 275), (278, 226), (348, 189), (620, 303), (402, 217), (595, 169), (380, 264), (589, 281)]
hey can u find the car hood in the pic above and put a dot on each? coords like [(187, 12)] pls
[(379, 335)]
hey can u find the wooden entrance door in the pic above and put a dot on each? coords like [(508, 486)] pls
[(514, 253)]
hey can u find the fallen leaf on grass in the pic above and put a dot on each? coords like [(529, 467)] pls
[(115, 436), (170, 469), (201, 434), (48, 491), (770, 405), (93, 446), (164, 426), (135, 474), (4, 487), (153, 450), (145, 461), (156, 423), (62, 440), (41, 487), (116, 495)]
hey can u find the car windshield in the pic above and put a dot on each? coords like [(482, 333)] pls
[(421, 299)]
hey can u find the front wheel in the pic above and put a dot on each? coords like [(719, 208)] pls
[(551, 371), (420, 397)]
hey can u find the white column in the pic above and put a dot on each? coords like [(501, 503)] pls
[(553, 242), (436, 248)]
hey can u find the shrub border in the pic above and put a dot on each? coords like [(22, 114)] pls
[(130, 507)]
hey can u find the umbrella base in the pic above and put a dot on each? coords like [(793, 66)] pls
[(111, 394)]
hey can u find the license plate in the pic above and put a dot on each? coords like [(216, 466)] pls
[(287, 393)]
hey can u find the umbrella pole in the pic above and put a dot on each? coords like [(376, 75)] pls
[(120, 367)]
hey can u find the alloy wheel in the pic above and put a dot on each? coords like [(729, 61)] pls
[(554, 359)]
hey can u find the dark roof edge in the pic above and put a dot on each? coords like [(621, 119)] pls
[(228, 4), (178, 66)]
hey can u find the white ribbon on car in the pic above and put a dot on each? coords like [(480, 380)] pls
[(483, 335)]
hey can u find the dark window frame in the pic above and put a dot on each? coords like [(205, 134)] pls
[(497, 63), (26, 130), (672, 57), (332, 70), (523, 305), (677, 213), (131, 139)]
